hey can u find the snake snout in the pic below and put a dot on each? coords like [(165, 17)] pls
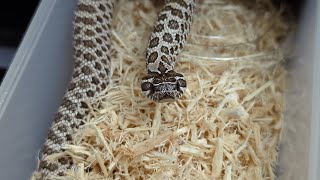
[(165, 88)]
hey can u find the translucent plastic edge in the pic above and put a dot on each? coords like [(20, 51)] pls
[(263, 55), (22, 57), (314, 155)]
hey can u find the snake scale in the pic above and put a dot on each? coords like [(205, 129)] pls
[(92, 55)]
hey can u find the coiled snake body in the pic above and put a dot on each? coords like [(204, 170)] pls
[(92, 54)]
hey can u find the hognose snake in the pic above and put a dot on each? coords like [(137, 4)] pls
[(92, 54)]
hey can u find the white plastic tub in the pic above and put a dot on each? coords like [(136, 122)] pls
[(35, 84)]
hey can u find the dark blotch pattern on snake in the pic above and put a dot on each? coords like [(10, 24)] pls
[(92, 51), (169, 35)]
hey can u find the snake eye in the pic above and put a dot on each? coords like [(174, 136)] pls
[(146, 86), (182, 83), (157, 81)]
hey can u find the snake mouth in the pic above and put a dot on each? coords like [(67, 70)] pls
[(165, 96)]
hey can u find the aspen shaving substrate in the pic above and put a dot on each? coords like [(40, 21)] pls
[(228, 123)]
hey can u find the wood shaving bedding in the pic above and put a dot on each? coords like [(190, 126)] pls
[(228, 123)]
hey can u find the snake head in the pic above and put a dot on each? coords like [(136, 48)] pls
[(163, 87)]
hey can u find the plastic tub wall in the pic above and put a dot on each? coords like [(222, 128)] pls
[(37, 78), (34, 86)]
